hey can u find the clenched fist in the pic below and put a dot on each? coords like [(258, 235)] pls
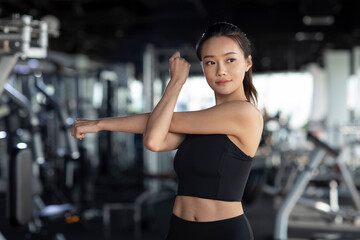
[(81, 127), (179, 68)]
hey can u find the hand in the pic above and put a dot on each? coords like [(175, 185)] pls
[(81, 127), (179, 68)]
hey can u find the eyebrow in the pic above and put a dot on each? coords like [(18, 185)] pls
[(211, 56)]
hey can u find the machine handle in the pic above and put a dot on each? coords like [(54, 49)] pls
[(321, 144)]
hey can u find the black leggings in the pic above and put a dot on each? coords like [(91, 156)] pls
[(236, 228)]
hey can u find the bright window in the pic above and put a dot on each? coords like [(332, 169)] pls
[(289, 93)]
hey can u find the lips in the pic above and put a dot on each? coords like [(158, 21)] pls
[(222, 82)]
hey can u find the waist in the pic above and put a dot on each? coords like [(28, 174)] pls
[(205, 210)]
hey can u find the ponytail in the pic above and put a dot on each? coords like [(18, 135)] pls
[(249, 88)]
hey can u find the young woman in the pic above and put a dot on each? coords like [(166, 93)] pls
[(215, 145)]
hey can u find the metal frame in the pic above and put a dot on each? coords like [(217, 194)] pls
[(21, 37), (282, 217), (135, 206), (299, 187), (24, 103), (7, 63)]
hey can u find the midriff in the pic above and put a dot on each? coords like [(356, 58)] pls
[(205, 210)]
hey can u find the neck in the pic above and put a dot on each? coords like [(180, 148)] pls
[(239, 96)]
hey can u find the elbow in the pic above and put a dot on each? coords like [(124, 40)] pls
[(151, 144)]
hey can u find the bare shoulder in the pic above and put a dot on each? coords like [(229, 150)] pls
[(246, 111), (248, 117), (248, 125), (253, 112)]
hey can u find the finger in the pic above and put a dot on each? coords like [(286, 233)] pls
[(175, 55), (79, 120), (77, 132), (80, 136), (73, 131)]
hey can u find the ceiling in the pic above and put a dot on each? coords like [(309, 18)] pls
[(118, 30)]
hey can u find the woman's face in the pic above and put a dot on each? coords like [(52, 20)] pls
[(224, 64)]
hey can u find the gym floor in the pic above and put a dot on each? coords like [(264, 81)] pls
[(261, 215)]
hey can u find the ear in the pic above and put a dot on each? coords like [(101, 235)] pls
[(248, 62)]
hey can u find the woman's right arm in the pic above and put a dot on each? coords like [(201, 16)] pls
[(131, 124)]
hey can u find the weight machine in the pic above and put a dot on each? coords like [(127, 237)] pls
[(20, 37), (23, 37), (296, 193), (17, 41)]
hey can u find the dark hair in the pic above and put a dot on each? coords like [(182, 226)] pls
[(233, 32)]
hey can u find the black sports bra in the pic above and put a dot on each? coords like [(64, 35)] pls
[(211, 166)]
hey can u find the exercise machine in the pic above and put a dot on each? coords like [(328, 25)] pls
[(296, 194), (20, 37), (23, 37)]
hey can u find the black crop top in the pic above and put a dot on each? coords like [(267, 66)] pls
[(211, 166)]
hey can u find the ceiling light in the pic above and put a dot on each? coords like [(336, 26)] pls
[(309, 36), (318, 20)]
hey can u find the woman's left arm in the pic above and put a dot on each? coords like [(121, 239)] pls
[(237, 118)]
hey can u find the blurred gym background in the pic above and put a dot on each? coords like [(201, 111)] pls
[(66, 59)]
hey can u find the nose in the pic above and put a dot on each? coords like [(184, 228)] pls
[(221, 70)]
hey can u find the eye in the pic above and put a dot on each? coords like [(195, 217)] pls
[(230, 60), (209, 63)]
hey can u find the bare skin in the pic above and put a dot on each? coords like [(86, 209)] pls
[(224, 66), (205, 210)]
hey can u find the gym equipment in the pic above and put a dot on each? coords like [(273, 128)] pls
[(24, 103), (24, 186), (67, 167), (20, 190), (135, 206), (106, 139), (65, 121), (295, 195), (281, 159), (21, 37)]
